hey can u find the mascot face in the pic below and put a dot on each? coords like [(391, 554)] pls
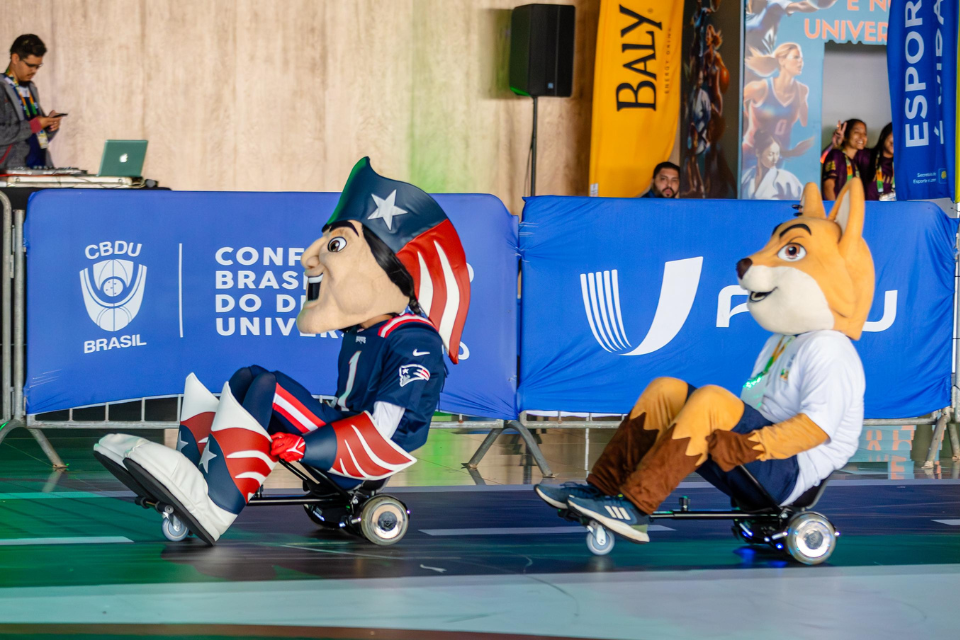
[(816, 271), (345, 285)]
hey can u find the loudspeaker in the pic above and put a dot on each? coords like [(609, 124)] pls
[(541, 50)]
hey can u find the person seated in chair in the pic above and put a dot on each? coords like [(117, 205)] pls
[(799, 415), (389, 271)]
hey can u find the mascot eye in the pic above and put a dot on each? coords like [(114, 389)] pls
[(336, 244), (792, 253)]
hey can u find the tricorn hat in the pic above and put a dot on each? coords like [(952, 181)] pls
[(417, 230)]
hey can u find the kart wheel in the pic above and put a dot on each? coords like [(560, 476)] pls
[(174, 529), (810, 538), (384, 520), (599, 540)]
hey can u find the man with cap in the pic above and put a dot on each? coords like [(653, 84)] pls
[(389, 271)]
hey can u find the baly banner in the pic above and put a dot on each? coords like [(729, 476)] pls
[(922, 65), (636, 94)]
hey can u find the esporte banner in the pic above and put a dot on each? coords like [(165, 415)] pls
[(617, 292), (128, 292), (922, 65)]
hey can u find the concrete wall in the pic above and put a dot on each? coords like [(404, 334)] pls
[(288, 94), (855, 86)]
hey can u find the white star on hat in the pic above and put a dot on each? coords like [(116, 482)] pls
[(386, 209)]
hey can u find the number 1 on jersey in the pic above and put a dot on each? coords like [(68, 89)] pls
[(351, 378)]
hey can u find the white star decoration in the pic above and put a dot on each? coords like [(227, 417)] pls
[(205, 459), (181, 443), (386, 209)]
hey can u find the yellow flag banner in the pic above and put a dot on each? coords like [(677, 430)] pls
[(636, 93)]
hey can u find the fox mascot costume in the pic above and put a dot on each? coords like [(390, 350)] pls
[(798, 417), (390, 272)]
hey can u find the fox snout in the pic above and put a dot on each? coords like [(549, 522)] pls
[(742, 267)]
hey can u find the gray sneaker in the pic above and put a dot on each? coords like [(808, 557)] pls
[(615, 513), (557, 496)]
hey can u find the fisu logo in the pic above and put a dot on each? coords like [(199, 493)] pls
[(601, 301), (113, 288), (681, 279)]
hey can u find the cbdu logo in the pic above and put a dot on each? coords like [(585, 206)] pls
[(600, 291), (113, 288)]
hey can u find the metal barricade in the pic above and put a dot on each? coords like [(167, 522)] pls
[(14, 358), (17, 415), (6, 258)]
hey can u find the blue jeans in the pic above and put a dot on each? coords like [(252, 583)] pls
[(778, 477)]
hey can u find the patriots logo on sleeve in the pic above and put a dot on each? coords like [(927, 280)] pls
[(413, 372)]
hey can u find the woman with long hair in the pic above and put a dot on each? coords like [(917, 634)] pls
[(766, 180), (878, 181), (777, 102), (849, 161)]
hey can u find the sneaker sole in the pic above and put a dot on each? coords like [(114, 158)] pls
[(616, 526), (550, 501)]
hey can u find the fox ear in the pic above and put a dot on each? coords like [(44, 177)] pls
[(848, 213), (810, 202)]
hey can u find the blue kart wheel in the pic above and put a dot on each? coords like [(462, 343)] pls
[(174, 529), (599, 540)]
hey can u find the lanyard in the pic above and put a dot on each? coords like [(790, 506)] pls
[(851, 168), (879, 179), (777, 352), (30, 109)]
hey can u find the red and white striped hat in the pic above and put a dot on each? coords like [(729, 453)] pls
[(417, 230)]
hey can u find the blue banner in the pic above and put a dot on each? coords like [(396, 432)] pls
[(617, 292), (922, 68), (129, 291)]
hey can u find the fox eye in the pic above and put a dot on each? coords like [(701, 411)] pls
[(792, 253), (337, 244)]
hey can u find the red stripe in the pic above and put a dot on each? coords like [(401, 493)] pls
[(293, 419), (446, 236), (374, 439), (233, 440), (391, 326), (346, 462), (289, 397), (199, 425), (364, 460)]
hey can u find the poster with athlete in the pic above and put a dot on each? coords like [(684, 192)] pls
[(783, 46), (708, 113)]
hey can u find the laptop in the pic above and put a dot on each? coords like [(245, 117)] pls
[(123, 158)]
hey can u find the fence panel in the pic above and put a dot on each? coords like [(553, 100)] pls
[(130, 291), (617, 292)]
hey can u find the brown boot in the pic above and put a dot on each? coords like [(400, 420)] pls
[(622, 454), (660, 472), (682, 447)]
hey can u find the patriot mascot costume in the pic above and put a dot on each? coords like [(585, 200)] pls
[(389, 271)]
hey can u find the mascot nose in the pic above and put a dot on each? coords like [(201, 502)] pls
[(742, 267)]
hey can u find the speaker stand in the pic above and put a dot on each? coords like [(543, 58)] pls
[(533, 152)]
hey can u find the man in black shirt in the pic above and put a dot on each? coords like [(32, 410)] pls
[(666, 181)]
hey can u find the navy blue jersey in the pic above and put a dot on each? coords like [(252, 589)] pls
[(399, 361)]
